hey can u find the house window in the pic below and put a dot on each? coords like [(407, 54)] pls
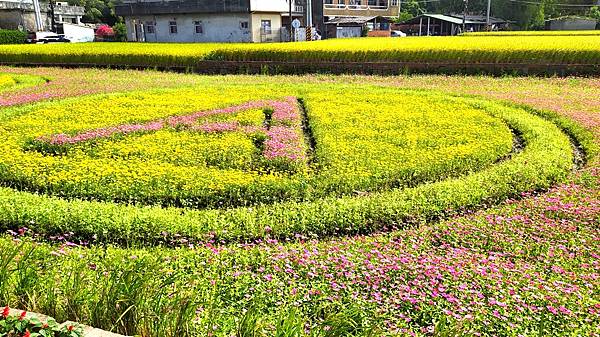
[(394, 2), (198, 27), (244, 25), (173, 27), (265, 26), (150, 27)]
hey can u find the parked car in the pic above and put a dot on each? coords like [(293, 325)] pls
[(46, 37), (55, 39), (398, 33)]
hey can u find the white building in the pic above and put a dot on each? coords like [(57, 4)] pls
[(204, 20), (20, 14)]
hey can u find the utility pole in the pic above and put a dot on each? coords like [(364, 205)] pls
[(39, 23), (400, 7), (53, 22), (488, 22), (291, 29), (464, 23), (308, 13)]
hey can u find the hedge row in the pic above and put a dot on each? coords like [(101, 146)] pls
[(546, 159), (12, 36)]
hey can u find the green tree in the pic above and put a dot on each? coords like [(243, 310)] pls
[(98, 11), (594, 13), (538, 21)]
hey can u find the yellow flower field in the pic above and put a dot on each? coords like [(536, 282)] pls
[(579, 49), (377, 146)]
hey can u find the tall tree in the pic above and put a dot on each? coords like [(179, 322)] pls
[(98, 11)]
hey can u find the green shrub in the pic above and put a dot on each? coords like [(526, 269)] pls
[(120, 32), (23, 325), (12, 36)]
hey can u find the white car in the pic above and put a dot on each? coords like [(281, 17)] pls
[(398, 33)]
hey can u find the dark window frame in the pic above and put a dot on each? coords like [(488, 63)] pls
[(172, 27), (266, 29), (198, 27)]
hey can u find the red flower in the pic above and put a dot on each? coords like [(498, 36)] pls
[(22, 317), (71, 328), (105, 30), (5, 312), (27, 333)]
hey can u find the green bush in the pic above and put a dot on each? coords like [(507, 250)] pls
[(23, 325), (120, 32), (12, 36)]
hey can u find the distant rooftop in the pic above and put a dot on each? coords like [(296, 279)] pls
[(341, 20), (27, 5), (458, 19), (571, 17), (149, 7)]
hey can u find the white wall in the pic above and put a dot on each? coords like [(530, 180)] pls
[(77, 33), (216, 28), (280, 6), (275, 27)]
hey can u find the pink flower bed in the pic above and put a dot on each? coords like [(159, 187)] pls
[(63, 139), (284, 142)]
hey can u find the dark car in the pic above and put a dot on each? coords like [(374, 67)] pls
[(54, 39), (46, 37)]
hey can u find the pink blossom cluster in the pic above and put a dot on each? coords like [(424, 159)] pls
[(285, 112), (284, 138), (218, 127), (284, 142), (63, 139), (26, 98)]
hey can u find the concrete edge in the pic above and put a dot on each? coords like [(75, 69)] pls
[(88, 331)]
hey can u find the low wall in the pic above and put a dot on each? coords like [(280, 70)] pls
[(379, 33), (367, 68)]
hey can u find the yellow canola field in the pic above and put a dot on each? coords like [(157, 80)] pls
[(461, 49)]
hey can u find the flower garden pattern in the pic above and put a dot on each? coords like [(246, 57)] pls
[(285, 264)]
